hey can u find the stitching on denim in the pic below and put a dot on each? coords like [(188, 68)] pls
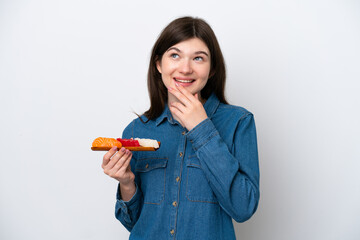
[(163, 194), (213, 134), (151, 166), (193, 165), (244, 116), (152, 158), (179, 189), (129, 225), (192, 162), (200, 124), (186, 193)]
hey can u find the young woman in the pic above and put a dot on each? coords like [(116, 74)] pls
[(206, 171)]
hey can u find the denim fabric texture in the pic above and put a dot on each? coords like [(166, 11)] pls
[(197, 181)]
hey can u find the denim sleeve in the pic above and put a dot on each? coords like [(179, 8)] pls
[(233, 174), (128, 212)]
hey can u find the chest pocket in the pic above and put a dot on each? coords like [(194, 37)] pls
[(197, 186), (152, 172)]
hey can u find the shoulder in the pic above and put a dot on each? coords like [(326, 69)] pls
[(139, 124), (233, 111)]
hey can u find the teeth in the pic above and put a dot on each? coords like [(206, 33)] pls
[(183, 81)]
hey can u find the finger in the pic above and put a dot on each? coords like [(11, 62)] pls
[(186, 92), (175, 111), (124, 158), (180, 96), (178, 106), (115, 159), (129, 165), (107, 156), (196, 95), (126, 164), (112, 172)]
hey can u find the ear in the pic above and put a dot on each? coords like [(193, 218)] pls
[(158, 65)]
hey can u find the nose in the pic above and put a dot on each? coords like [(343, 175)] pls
[(185, 66)]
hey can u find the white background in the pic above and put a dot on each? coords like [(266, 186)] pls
[(73, 70)]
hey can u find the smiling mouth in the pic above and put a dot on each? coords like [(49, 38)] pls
[(184, 81)]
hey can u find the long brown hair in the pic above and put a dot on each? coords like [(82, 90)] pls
[(179, 30)]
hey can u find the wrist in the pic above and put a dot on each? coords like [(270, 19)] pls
[(196, 123), (127, 191), (127, 186)]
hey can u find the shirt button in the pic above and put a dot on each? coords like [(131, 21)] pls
[(178, 179), (172, 232), (147, 165), (174, 203), (180, 154), (183, 133)]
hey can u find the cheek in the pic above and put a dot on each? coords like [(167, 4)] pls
[(166, 79), (167, 72), (203, 83), (205, 74)]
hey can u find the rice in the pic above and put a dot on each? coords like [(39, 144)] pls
[(145, 142)]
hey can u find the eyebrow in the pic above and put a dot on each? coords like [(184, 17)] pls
[(198, 52)]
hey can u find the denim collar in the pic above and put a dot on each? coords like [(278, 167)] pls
[(210, 106)]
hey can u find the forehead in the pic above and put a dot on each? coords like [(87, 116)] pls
[(191, 45)]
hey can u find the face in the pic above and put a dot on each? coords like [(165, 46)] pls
[(186, 63)]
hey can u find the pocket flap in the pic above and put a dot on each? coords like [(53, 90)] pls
[(145, 165)]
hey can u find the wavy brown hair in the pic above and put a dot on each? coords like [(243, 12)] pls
[(179, 30)]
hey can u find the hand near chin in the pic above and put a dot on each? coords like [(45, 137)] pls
[(189, 110)]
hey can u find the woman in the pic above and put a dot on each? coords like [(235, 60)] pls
[(206, 171)]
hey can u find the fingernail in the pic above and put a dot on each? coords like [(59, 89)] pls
[(177, 84), (123, 149), (114, 148), (170, 89)]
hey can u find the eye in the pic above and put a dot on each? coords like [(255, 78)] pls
[(174, 55), (198, 58)]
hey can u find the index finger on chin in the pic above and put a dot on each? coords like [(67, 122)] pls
[(185, 92), (180, 95)]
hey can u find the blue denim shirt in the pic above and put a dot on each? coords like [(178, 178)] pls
[(197, 181)]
